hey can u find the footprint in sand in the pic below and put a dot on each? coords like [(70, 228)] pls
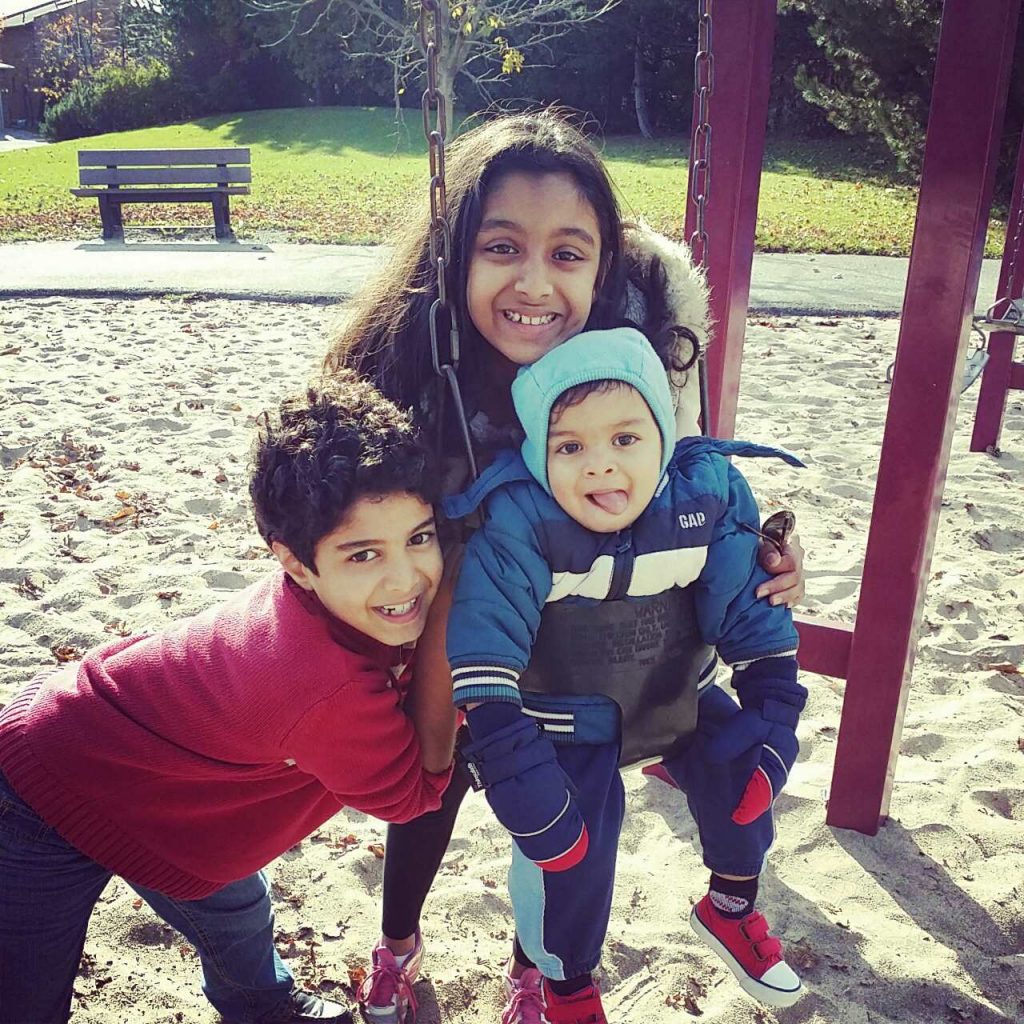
[(153, 933), (1008, 803), (164, 423), (926, 745), (203, 506), (225, 580), (998, 539)]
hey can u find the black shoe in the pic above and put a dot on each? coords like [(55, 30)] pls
[(303, 1006)]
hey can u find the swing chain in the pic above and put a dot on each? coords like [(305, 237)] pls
[(442, 318), (1012, 310), (700, 178), (435, 128), (700, 173)]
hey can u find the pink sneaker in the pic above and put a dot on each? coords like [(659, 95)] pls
[(583, 1007), (386, 994), (525, 1003), (750, 951)]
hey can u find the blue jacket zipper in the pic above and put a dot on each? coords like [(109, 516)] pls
[(622, 571)]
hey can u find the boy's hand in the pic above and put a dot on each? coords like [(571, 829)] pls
[(529, 793)]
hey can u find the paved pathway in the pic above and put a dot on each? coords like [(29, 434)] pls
[(15, 138), (782, 282)]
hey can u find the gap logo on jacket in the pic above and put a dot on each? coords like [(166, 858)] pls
[(700, 529)]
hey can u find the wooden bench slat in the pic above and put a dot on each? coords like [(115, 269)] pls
[(161, 195), (161, 157), (164, 175)]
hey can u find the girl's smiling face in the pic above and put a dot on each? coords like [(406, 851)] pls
[(534, 265)]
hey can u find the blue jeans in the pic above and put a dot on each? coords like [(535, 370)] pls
[(47, 892)]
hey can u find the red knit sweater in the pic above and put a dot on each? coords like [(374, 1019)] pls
[(192, 758)]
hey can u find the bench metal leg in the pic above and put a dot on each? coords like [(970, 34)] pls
[(110, 217), (222, 218)]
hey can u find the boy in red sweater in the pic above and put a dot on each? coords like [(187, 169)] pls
[(187, 760)]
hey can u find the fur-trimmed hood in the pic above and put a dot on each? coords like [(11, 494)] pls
[(659, 265)]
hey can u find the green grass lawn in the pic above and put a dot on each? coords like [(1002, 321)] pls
[(346, 175)]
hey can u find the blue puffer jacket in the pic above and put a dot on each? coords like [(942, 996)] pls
[(699, 529)]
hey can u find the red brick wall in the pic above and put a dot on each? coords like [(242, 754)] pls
[(22, 99)]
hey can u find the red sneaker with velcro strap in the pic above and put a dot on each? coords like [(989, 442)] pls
[(750, 951)]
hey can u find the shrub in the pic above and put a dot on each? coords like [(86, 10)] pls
[(116, 97)]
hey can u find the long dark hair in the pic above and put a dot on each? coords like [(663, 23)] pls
[(387, 337)]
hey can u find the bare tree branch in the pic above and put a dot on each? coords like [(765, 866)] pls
[(485, 40)]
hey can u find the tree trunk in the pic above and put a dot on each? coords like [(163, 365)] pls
[(448, 68), (643, 119)]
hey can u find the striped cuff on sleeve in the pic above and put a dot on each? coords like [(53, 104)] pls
[(479, 683)]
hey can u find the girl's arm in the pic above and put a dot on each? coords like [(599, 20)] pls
[(787, 583), (429, 703), (670, 291)]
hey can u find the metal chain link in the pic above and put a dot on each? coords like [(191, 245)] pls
[(1015, 243), (700, 178), (443, 320)]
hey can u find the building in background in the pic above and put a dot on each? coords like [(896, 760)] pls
[(22, 23)]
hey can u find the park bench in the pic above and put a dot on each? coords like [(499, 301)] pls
[(118, 176)]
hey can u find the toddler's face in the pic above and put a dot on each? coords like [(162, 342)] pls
[(604, 458), (379, 570), (534, 265)]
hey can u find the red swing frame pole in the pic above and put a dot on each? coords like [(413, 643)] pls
[(743, 46), (972, 74), (1001, 374), (743, 41)]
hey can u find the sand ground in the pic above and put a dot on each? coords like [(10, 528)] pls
[(124, 427)]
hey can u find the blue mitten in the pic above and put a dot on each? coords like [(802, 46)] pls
[(771, 701), (514, 763)]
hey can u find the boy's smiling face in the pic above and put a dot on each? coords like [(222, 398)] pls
[(604, 458), (379, 569)]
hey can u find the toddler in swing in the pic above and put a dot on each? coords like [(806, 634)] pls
[(187, 760), (601, 504), (539, 255)]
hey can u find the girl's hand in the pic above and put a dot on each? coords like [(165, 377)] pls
[(429, 701), (787, 583)]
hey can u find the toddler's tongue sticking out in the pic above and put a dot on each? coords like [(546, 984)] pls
[(613, 502)]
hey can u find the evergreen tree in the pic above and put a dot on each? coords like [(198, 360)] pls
[(876, 78)]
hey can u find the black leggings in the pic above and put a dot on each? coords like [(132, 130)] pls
[(414, 853)]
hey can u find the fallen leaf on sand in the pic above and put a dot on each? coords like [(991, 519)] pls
[(356, 976), (1006, 667), (377, 849)]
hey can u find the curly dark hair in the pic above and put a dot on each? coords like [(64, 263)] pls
[(323, 450)]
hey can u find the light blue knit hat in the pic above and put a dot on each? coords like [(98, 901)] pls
[(621, 353)]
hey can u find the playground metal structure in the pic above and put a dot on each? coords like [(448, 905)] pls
[(976, 47), (876, 655)]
